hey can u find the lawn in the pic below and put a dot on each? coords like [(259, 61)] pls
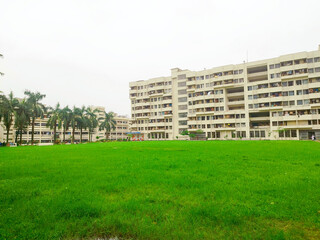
[(161, 190)]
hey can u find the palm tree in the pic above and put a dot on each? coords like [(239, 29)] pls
[(37, 108), (8, 106), (108, 123), (92, 121), (74, 114), (22, 116), (54, 117), (81, 120), (64, 120)]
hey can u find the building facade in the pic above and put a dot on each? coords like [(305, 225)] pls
[(122, 128), (276, 98)]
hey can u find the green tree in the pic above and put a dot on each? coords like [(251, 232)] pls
[(22, 116), (82, 121), (37, 108), (54, 118), (74, 116), (8, 106), (107, 123), (64, 120), (92, 121)]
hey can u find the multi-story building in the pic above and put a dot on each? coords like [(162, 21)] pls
[(121, 128), (276, 98), (44, 134)]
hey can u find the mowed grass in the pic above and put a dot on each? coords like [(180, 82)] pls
[(161, 190)]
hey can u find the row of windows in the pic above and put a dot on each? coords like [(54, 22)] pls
[(151, 85), (197, 94), (218, 125), (294, 113), (152, 121), (284, 94), (283, 84), (218, 74), (217, 135), (227, 116), (291, 62), (285, 123), (147, 100), (158, 135)]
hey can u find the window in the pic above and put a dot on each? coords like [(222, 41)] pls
[(271, 66), (182, 107), (250, 97), (271, 75), (305, 81), (183, 123), (277, 65), (251, 134), (317, 59), (317, 69), (287, 133), (183, 91), (182, 99), (182, 76), (299, 102), (310, 60), (291, 93), (182, 84), (310, 70), (183, 115), (249, 88)]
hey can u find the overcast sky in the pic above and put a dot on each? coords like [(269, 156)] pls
[(82, 52)]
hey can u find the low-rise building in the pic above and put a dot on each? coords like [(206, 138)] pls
[(44, 135)]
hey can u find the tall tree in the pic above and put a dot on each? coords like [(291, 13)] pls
[(54, 117), (74, 114), (92, 121), (8, 106), (107, 123), (22, 116), (81, 120), (37, 108), (64, 120)]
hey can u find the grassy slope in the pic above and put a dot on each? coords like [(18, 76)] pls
[(162, 190)]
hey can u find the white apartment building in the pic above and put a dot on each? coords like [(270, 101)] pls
[(276, 98), (44, 135), (122, 128)]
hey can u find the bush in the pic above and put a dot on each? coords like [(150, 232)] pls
[(184, 133)]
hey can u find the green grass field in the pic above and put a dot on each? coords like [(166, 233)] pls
[(161, 190)]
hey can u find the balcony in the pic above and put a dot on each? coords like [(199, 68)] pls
[(235, 102)]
